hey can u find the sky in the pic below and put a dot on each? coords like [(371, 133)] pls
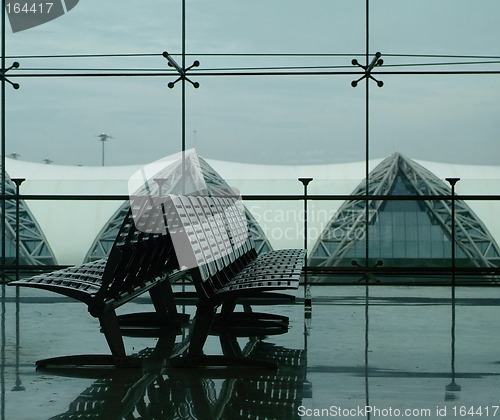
[(292, 119)]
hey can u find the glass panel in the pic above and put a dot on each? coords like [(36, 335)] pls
[(424, 249), (398, 218), (386, 249), (411, 249), (437, 233), (412, 232), (399, 232), (437, 249), (424, 233), (399, 249), (411, 218)]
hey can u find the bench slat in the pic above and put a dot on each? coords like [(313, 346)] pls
[(81, 283)]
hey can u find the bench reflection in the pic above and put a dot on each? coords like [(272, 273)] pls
[(158, 391)]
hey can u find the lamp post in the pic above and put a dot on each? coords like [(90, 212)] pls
[(17, 182), (452, 182), (103, 138), (18, 386), (452, 387), (307, 296)]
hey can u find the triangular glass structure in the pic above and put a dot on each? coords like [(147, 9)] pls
[(215, 185), (404, 233), (33, 245)]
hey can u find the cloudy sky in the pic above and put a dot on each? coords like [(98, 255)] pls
[(256, 118)]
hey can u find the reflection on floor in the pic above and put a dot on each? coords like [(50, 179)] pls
[(364, 353), (162, 393)]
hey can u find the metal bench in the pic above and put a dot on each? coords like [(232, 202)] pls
[(210, 237), (138, 262)]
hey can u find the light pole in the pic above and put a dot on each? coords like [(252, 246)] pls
[(307, 296), (18, 386), (17, 182), (103, 137), (453, 386), (452, 182)]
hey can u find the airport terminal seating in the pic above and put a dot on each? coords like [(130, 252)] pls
[(207, 237), (210, 235)]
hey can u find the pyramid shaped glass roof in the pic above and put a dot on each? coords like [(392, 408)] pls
[(404, 232)]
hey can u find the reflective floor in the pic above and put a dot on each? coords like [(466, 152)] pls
[(364, 353)]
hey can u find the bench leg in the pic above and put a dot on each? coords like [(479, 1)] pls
[(165, 315), (227, 309), (229, 345), (111, 329), (205, 315), (204, 318), (163, 300)]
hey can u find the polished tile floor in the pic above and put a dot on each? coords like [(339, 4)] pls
[(364, 353)]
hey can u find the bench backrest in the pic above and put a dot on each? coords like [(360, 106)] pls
[(139, 255), (210, 236)]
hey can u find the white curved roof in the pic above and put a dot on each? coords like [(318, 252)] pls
[(341, 179), (71, 226)]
